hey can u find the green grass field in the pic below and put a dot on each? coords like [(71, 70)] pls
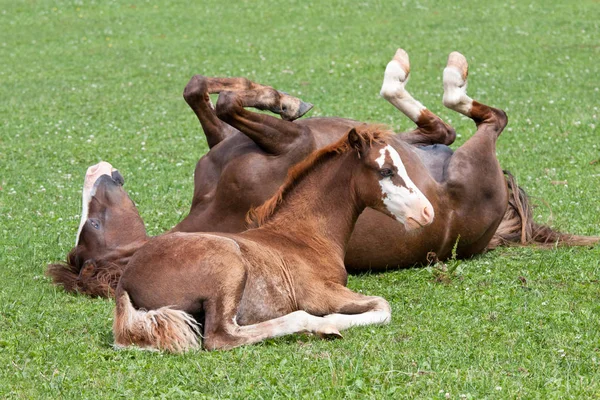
[(82, 82)]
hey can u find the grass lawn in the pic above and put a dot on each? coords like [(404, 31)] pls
[(86, 81)]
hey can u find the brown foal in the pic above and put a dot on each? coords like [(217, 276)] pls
[(250, 155), (285, 276)]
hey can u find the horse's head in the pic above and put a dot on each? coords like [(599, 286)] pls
[(109, 218), (110, 231), (383, 181)]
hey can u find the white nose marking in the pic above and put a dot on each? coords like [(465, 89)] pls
[(401, 200), (91, 176)]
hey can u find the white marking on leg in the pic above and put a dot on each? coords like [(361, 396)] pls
[(345, 321), (393, 89), (455, 85)]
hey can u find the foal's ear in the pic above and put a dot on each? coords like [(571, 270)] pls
[(356, 141)]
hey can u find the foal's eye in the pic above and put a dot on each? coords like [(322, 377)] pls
[(94, 223), (386, 172)]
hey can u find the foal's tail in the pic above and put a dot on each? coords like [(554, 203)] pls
[(163, 329), (519, 229)]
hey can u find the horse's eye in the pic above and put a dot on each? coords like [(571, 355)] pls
[(386, 172), (94, 223)]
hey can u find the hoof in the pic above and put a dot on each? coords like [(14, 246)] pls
[(303, 109), (300, 110), (401, 57), (395, 76), (459, 62), (329, 333)]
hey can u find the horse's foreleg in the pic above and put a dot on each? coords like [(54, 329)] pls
[(196, 94), (430, 128), (273, 135)]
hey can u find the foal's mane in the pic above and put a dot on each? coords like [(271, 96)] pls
[(368, 133)]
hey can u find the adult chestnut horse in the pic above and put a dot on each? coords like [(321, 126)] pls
[(283, 276), (249, 157)]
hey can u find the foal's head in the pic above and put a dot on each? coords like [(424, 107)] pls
[(109, 218), (110, 230), (382, 181)]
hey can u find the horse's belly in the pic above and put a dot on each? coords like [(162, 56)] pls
[(380, 243)]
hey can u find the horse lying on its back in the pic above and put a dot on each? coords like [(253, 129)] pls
[(251, 153)]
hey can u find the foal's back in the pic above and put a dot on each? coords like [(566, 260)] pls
[(185, 269)]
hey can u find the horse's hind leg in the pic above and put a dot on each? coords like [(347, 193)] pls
[(345, 308), (430, 128), (273, 135), (222, 332), (474, 174)]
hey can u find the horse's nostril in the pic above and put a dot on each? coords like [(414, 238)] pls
[(428, 214)]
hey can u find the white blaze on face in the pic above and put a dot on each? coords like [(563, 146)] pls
[(91, 176), (407, 201)]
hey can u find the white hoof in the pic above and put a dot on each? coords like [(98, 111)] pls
[(455, 84), (396, 75)]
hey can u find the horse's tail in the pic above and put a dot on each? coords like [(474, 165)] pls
[(519, 229), (95, 279), (163, 329)]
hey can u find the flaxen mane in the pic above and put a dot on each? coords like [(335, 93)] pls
[(371, 133)]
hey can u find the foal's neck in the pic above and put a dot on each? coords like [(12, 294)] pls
[(322, 208)]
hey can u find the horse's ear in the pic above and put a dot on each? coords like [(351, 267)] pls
[(356, 141)]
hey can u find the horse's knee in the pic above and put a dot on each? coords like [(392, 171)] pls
[(501, 118), (445, 132), (196, 89), (489, 116), (227, 105)]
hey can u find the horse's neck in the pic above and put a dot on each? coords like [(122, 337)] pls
[(321, 210)]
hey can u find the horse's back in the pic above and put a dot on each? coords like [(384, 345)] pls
[(180, 269)]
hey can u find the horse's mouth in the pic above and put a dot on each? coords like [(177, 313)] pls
[(413, 224)]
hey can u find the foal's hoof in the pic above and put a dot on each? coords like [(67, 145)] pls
[(329, 333), (459, 62)]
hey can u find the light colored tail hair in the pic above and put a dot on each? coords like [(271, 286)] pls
[(163, 329)]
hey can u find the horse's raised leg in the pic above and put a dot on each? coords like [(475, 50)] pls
[(197, 94), (273, 135), (430, 128), (474, 174)]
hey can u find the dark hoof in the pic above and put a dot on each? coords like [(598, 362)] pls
[(303, 108)]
